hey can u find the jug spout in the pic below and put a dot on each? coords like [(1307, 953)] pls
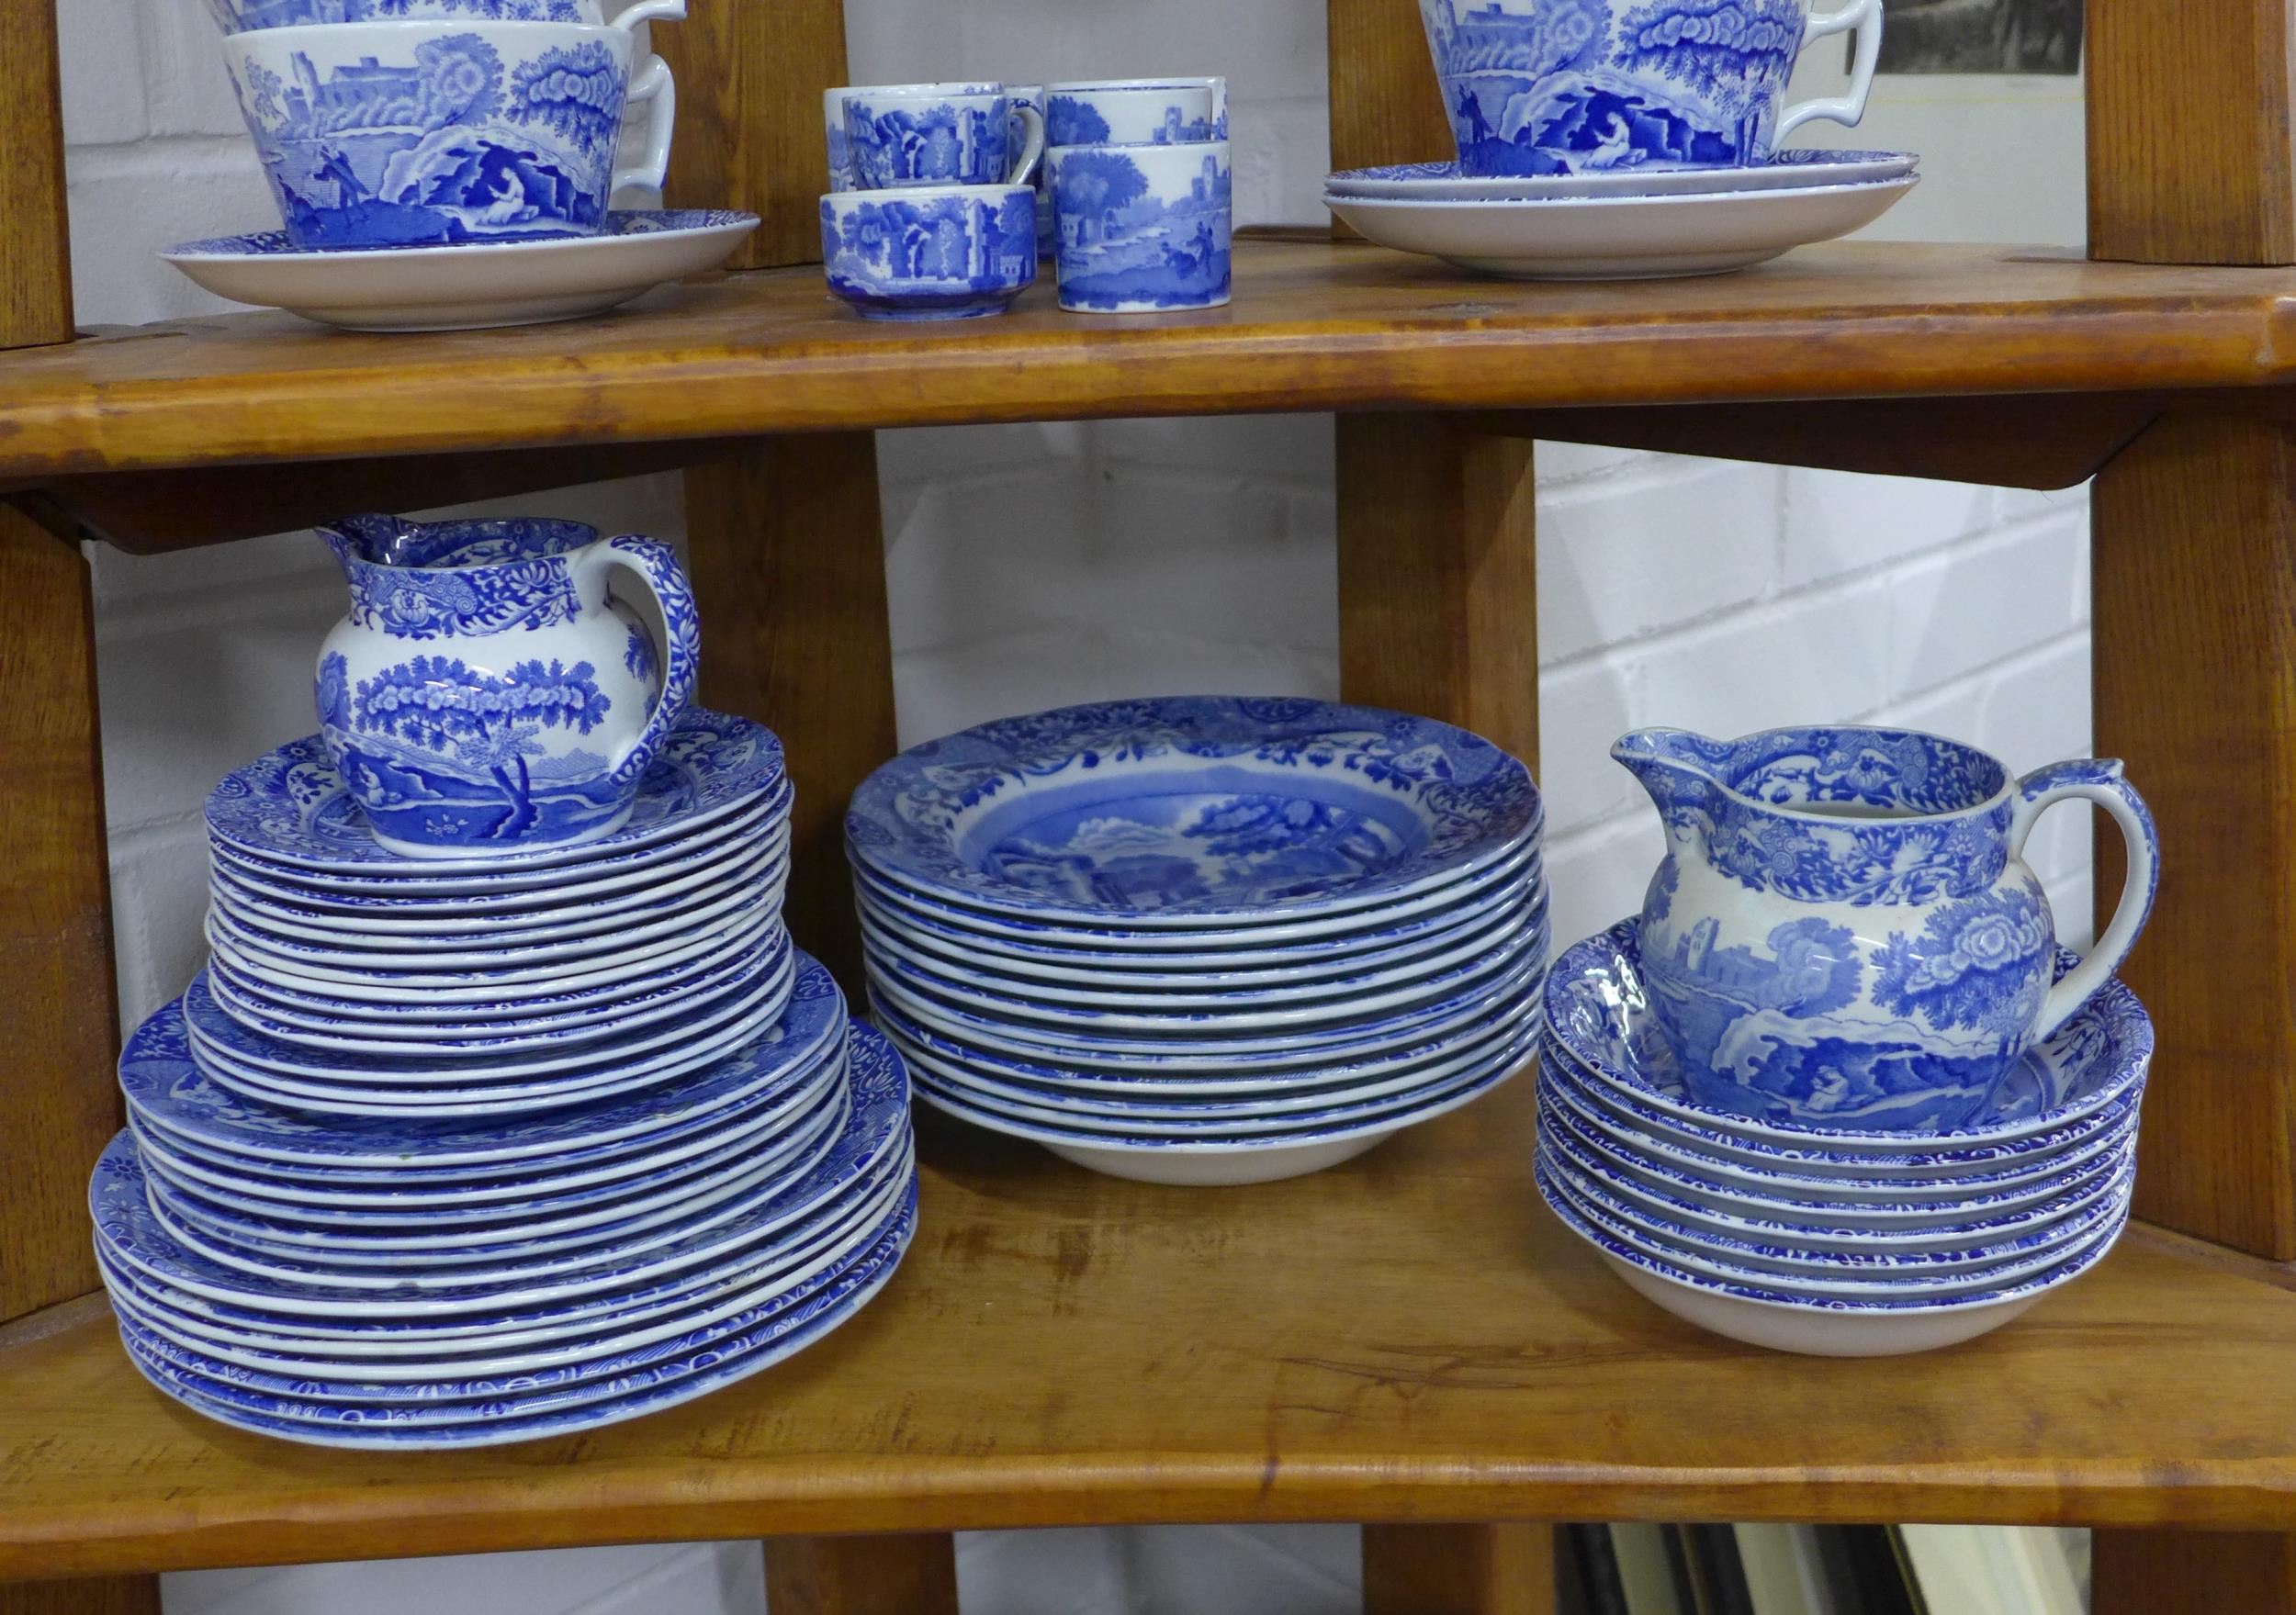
[(1677, 767), (357, 539)]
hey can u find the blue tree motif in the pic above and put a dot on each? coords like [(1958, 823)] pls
[(572, 91), (1071, 122), (1722, 49), (485, 720), (1977, 963), (1092, 185), (638, 657), (265, 88)]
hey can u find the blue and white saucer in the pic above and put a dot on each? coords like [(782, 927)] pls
[(467, 286), (1442, 182)]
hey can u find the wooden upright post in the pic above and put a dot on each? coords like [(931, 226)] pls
[(58, 1017), (2195, 610)]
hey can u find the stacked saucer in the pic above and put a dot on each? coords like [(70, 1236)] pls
[(1825, 1241), (1207, 939), (1622, 223), (349, 981), (359, 1282)]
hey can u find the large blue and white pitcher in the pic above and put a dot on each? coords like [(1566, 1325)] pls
[(486, 693), (1844, 932)]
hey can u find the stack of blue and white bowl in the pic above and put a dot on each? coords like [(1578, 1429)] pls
[(480, 1137), (1837, 1091), (1204, 939)]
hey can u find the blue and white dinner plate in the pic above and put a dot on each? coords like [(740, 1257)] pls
[(1599, 1012), (1192, 812), (165, 1088), (290, 806), (1442, 182), (129, 1230)]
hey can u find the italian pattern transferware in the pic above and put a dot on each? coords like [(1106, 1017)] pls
[(235, 17), (370, 1282), (1798, 170), (1143, 228), (1843, 931), (951, 253), (1816, 1239), (1207, 939), (410, 133)]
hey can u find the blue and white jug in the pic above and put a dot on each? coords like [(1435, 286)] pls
[(1845, 932), (486, 694)]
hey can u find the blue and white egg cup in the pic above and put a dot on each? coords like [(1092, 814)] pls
[(923, 254)]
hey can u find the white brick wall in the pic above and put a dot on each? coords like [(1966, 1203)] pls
[(1034, 565)]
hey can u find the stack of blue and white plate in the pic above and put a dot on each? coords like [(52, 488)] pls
[(1204, 940), (1821, 1240), (393, 1178)]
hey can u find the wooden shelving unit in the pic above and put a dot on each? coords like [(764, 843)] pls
[(1411, 1339)]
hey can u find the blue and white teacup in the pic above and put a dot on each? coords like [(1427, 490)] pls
[(1144, 229), (1581, 86), (952, 134), (931, 253), (1136, 112), (237, 17), (485, 693), (1845, 932), (401, 134)]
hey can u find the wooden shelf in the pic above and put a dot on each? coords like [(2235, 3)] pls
[(1314, 326), (1413, 1337)]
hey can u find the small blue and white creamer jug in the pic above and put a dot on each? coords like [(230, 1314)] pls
[(484, 694), (1844, 934)]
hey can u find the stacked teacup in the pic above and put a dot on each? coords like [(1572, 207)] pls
[(505, 1107), (1836, 1090), (405, 123), (1143, 205), (931, 212)]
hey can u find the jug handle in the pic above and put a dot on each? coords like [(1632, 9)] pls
[(2099, 780), (655, 565)]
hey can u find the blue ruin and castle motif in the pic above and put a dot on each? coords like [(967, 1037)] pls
[(484, 691), (1574, 87), (239, 16), (1143, 228), (1843, 931), (464, 139), (931, 254), (1074, 120), (963, 138)]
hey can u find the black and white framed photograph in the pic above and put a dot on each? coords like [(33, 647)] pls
[(1982, 35)]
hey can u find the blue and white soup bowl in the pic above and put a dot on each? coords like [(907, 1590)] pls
[(951, 134), (1135, 112), (394, 134), (953, 252), (1143, 228), (485, 693), (238, 17), (1581, 86), (1844, 934)]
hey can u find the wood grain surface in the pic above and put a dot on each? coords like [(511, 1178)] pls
[(1314, 326), (35, 242), (1386, 105), (2208, 1573), (750, 134), (1411, 1338), (908, 1574), (1459, 1569)]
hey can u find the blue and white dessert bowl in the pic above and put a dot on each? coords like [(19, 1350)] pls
[(928, 253), (1576, 86), (1144, 229), (404, 134)]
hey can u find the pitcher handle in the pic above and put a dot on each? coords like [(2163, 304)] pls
[(2099, 780), (1865, 16), (652, 83), (1032, 145), (655, 566)]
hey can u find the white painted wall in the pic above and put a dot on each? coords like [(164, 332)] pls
[(1037, 565)]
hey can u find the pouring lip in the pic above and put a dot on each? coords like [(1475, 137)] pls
[(1626, 749), (369, 540)]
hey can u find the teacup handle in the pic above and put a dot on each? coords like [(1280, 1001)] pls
[(2099, 780), (1031, 146), (650, 11), (652, 83), (1865, 16), (655, 566)]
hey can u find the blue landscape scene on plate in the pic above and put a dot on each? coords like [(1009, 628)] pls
[(458, 144), (1574, 87), (929, 256), (1129, 241), (960, 140)]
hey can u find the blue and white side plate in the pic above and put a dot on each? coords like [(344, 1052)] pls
[(291, 807), (1190, 811), (467, 286), (1442, 182)]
